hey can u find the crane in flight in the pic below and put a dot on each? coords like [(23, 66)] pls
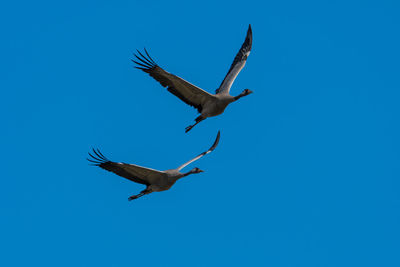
[(154, 180), (208, 105)]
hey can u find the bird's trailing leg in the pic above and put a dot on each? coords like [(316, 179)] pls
[(198, 119), (144, 192)]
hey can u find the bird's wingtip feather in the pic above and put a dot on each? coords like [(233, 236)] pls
[(216, 141)]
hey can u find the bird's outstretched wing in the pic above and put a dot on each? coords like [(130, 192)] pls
[(202, 154), (187, 92), (237, 65), (131, 172)]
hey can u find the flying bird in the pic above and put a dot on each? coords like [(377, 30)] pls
[(154, 180), (208, 105)]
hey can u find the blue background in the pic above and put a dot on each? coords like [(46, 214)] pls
[(307, 170)]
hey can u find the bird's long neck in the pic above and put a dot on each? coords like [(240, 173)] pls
[(239, 96), (180, 175), (187, 173)]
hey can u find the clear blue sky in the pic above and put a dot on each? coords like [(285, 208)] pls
[(307, 170)]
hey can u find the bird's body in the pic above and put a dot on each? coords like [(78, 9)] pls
[(216, 105), (208, 105), (165, 180), (155, 181)]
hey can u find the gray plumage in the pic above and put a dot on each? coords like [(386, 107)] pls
[(154, 180), (207, 104)]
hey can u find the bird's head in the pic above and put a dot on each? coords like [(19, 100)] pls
[(246, 92), (196, 170)]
